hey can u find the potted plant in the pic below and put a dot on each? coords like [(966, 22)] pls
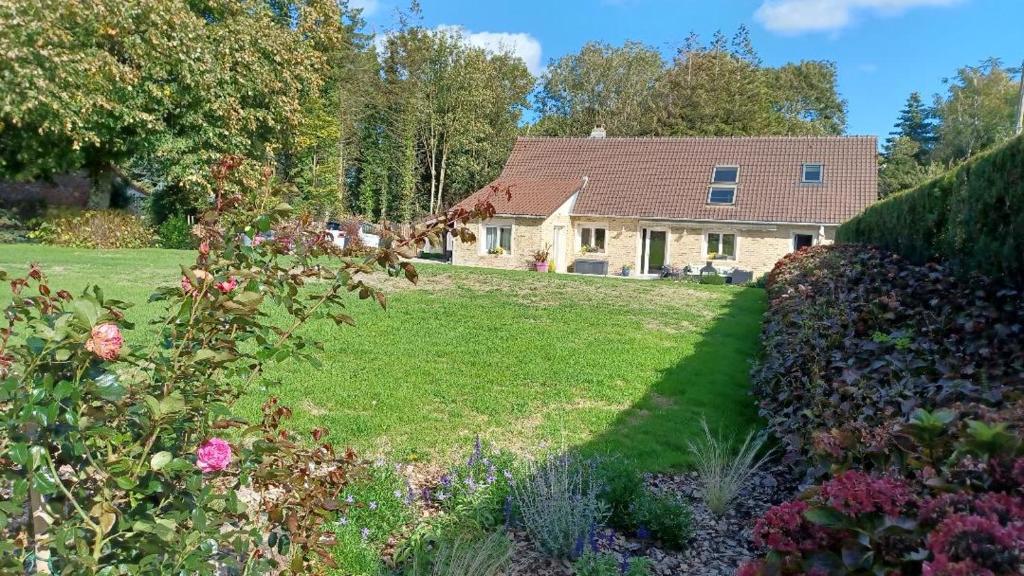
[(626, 270), (497, 250), (540, 258)]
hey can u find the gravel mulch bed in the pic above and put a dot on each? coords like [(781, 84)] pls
[(718, 547)]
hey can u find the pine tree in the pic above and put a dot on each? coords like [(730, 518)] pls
[(915, 123)]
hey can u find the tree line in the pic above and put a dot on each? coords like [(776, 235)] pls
[(977, 111), (394, 126)]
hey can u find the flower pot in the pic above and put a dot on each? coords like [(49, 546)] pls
[(541, 266)]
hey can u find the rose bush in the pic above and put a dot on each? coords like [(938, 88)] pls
[(125, 459)]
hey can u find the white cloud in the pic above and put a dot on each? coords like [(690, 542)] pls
[(518, 43), (798, 16), (369, 7)]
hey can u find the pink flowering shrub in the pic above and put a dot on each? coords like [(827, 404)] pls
[(124, 459)]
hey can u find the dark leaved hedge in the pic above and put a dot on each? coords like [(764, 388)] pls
[(855, 336), (905, 386), (971, 217)]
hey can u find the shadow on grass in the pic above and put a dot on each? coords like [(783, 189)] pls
[(710, 381)]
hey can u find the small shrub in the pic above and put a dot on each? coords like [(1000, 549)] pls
[(723, 470), (558, 503), (94, 229), (662, 517), (176, 233), (606, 564), (620, 484), (13, 230), (712, 280)]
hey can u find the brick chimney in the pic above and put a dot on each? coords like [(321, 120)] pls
[(598, 131)]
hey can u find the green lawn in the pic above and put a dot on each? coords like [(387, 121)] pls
[(522, 359)]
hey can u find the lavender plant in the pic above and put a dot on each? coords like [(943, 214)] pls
[(558, 503)]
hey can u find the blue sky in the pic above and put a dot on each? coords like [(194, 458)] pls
[(884, 48)]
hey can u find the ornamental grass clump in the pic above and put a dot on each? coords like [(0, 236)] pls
[(558, 503), (723, 470), (123, 458), (483, 556)]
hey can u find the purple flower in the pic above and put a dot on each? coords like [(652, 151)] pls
[(365, 533), (577, 549), (373, 505), (643, 533), (350, 499), (398, 494), (446, 480), (507, 475), (343, 521), (441, 496)]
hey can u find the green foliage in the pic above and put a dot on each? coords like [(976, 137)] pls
[(965, 217), (719, 89), (976, 112), (155, 87), (662, 517), (176, 233), (94, 229), (378, 506), (712, 280), (13, 230), (601, 85), (480, 489), (606, 564), (723, 468), (621, 484)]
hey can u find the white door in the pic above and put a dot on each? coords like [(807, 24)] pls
[(558, 248)]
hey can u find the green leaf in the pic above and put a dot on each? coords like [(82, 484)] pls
[(825, 517), (172, 403), (165, 528), (19, 454), (86, 311), (160, 459)]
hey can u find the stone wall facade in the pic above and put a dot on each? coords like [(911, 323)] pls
[(758, 246)]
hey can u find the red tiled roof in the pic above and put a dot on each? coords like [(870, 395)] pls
[(669, 177), (530, 196)]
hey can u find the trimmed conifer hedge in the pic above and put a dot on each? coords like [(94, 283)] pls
[(971, 217)]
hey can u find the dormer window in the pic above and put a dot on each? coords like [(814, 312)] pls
[(812, 174), (723, 185)]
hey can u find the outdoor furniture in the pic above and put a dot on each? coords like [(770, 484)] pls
[(590, 266)]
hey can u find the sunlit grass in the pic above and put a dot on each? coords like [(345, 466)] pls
[(519, 358)]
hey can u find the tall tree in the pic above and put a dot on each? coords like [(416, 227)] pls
[(977, 110), (899, 167), (159, 89), (915, 123), (602, 84), (723, 89)]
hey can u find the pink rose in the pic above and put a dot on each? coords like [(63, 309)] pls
[(105, 341), (186, 285), (213, 455), (227, 285)]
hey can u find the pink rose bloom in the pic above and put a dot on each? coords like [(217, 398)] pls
[(227, 285), (105, 341), (213, 455), (186, 284)]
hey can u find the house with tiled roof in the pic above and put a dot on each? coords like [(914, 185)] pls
[(610, 205)]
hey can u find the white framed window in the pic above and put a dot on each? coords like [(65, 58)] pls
[(592, 239), (802, 241), (498, 238), (812, 173), (725, 175), (722, 195), (720, 246)]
